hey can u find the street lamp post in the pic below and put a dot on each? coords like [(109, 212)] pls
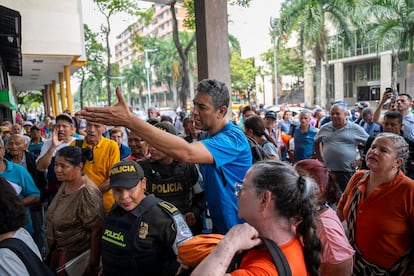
[(273, 23), (147, 67)]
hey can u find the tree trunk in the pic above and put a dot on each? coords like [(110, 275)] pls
[(183, 56), (81, 89), (108, 56)]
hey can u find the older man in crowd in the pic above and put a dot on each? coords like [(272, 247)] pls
[(105, 155), (62, 136), (337, 143)]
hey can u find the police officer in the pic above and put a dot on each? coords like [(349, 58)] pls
[(175, 182), (141, 232)]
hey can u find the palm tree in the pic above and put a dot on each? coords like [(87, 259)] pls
[(310, 18), (93, 91), (393, 24), (135, 78)]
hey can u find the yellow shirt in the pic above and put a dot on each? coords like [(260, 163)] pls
[(105, 155)]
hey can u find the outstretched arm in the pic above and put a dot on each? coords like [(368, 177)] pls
[(172, 145)]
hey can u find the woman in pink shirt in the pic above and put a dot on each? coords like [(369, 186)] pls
[(337, 254)]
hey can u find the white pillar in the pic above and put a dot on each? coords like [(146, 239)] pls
[(386, 71), (339, 80)]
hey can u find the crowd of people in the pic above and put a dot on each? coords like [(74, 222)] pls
[(331, 191)]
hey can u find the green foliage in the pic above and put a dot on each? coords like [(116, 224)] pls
[(29, 99), (95, 53), (289, 61), (189, 20), (243, 74), (392, 23), (234, 44), (310, 18)]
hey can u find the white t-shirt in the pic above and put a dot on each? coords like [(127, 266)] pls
[(10, 263), (47, 144)]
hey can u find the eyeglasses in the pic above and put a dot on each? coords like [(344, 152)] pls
[(238, 187)]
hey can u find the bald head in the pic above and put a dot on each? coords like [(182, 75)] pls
[(16, 145), (338, 116)]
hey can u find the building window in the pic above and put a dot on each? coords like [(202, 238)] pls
[(348, 81)]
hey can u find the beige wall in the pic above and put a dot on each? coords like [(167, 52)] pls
[(50, 27)]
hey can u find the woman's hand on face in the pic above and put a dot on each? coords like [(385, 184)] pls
[(243, 237)]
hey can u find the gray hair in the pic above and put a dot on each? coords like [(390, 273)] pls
[(400, 145), (217, 90)]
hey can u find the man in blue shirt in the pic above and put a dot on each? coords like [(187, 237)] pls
[(303, 138), (21, 181), (224, 156)]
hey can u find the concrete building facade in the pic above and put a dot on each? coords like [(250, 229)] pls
[(51, 49), (161, 27), (357, 74)]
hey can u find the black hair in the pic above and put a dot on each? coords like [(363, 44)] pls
[(286, 111), (256, 124), (394, 115), (407, 95), (166, 118), (217, 90), (247, 108), (75, 155), (12, 212), (295, 198)]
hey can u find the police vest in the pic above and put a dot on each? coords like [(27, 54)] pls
[(130, 247), (176, 188)]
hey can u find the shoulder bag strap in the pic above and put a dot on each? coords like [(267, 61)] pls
[(32, 262), (279, 259)]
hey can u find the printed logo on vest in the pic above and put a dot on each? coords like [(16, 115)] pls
[(166, 188), (114, 238)]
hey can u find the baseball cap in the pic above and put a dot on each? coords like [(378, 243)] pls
[(340, 102), (28, 123), (271, 114), (316, 111), (125, 174), (361, 105), (66, 117), (166, 127), (34, 128)]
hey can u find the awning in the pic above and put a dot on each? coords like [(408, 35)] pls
[(10, 41), (7, 99)]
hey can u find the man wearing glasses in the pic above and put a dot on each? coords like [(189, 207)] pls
[(105, 154)]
